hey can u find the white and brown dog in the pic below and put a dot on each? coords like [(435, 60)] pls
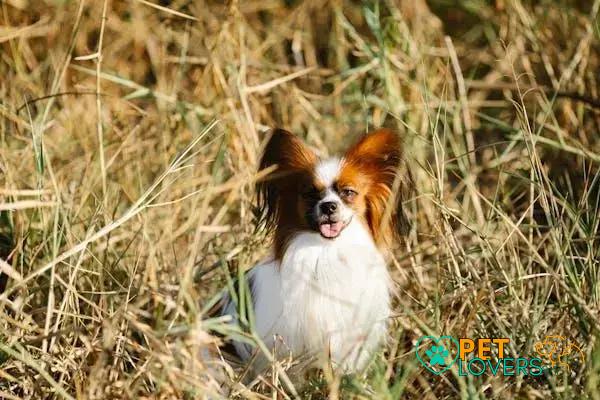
[(326, 289)]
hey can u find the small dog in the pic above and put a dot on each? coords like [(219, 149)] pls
[(326, 289)]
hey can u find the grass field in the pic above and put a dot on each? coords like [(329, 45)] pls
[(129, 138)]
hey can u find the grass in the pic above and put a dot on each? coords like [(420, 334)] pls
[(129, 138)]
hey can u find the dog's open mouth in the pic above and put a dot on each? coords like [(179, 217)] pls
[(331, 229)]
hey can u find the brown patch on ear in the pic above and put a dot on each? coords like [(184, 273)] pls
[(279, 188), (378, 155), (380, 147)]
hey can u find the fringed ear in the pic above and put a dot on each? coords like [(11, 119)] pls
[(379, 150), (379, 155), (291, 157)]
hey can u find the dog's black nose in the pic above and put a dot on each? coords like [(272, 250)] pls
[(329, 207)]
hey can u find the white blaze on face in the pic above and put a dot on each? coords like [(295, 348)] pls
[(327, 172)]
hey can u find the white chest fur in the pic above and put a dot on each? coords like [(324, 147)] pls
[(324, 297)]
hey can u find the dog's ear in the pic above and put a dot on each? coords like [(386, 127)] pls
[(379, 156), (288, 156), (378, 152)]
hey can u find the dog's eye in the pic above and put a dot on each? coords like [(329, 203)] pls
[(348, 193)]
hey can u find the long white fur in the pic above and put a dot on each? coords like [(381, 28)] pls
[(325, 297)]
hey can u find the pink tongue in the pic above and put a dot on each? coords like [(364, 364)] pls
[(331, 230)]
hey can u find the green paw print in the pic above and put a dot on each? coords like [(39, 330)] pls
[(436, 355)]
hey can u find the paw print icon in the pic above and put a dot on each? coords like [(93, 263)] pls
[(436, 355)]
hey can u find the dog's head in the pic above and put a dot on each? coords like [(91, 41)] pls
[(305, 193)]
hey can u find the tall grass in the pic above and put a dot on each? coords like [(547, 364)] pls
[(128, 150)]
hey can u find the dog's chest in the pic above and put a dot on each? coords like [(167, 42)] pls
[(331, 294)]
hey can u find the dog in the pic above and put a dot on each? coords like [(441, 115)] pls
[(325, 292)]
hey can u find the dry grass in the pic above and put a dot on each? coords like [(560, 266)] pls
[(122, 206)]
